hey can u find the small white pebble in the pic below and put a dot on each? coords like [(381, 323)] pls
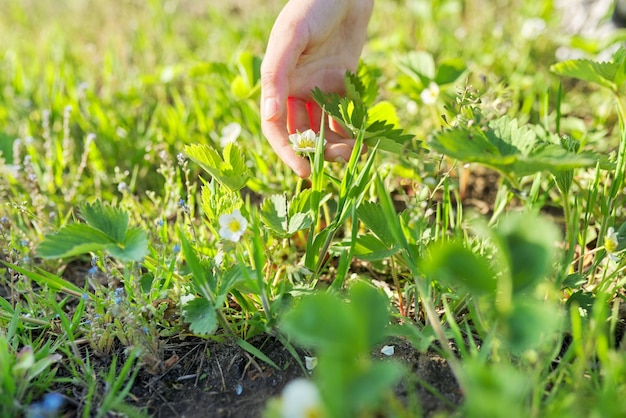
[(310, 362), (388, 350)]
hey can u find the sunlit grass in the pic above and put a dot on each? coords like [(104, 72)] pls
[(140, 205)]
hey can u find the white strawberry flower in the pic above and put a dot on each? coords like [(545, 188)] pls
[(305, 141), (232, 226)]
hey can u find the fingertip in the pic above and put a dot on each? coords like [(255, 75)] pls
[(299, 165)]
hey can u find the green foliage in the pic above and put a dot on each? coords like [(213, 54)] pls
[(352, 114), (512, 149), (343, 336), (469, 270), (421, 66), (229, 168), (106, 229), (25, 372), (278, 216), (490, 296), (606, 74), (529, 255), (202, 313)]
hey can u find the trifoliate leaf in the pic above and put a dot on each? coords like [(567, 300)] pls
[(106, 230), (73, 240), (509, 148), (110, 220), (133, 248)]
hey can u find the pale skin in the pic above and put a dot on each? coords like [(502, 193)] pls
[(312, 44)]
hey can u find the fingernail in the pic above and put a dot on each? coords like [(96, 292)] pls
[(270, 107), (340, 159)]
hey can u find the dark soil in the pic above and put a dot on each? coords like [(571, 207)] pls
[(219, 380)]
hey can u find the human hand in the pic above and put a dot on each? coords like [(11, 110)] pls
[(312, 44)]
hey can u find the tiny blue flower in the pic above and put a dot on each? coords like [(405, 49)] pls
[(24, 243), (48, 407), (160, 222), (53, 401), (146, 330), (85, 296), (181, 203), (119, 291), (92, 271), (117, 300), (176, 248)]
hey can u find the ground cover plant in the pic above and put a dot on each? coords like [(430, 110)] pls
[(156, 258)]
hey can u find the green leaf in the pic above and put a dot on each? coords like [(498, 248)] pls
[(528, 242), (373, 216), (256, 352), (106, 229), (371, 386), (449, 71), (229, 170), (530, 323), (420, 339), (384, 111), (44, 278), (454, 264), (419, 65), (368, 247), (73, 240), (203, 280), (509, 148), (603, 73), (273, 213), (298, 222), (201, 316), (371, 307), (229, 279), (388, 138), (321, 321), (110, 220), (134, 247), (353, 115)]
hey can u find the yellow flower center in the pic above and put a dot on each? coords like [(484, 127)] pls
[(313, 412), (307, 143), (234, 225), (610, 244)]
